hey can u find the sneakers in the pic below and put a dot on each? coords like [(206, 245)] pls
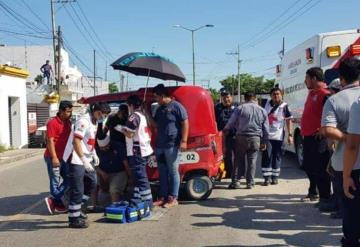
[(266, 182), (171, 202), (274, 181), (50, 204), (234, 185), (160, 202), (250, 186), (60, 209), (310, 198), (78, 223)]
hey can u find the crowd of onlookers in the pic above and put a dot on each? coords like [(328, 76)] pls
[(330, 130), (104, 152)]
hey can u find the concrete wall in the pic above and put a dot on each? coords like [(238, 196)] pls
[(13, 87)]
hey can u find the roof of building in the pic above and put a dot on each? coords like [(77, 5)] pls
[(13, 71)]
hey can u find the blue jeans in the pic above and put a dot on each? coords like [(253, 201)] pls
[(57, 188), (168, 166)]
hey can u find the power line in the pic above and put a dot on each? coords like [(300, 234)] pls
[(79, 29), (24, 34), (36, 15), (19, 18), (89, 33), (286, 22), (72, 51), (91, 27), (270, 24)]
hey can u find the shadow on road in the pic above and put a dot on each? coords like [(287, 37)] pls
[(30, 225), (15, 204), (284, 216)]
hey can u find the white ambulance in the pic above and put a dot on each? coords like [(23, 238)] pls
[(325, 50)]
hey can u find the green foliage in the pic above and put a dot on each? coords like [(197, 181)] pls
[(255, 84), (215, 95), (2, 148), (38, 78), (113, 88)]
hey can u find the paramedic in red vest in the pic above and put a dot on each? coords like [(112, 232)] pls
[(82, 162), (279, 115), (138, 145), (58, 131), (316, 153)]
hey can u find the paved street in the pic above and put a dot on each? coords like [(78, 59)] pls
[(265, 216)]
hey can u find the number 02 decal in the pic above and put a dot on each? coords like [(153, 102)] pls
[(190, 156)]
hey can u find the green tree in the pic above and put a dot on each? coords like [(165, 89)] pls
[(255, 84), (215, 95), (113, 88)]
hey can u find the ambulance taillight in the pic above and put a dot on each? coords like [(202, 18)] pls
[(355, 50)]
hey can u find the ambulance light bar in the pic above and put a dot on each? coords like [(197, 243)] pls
[(355, 50), (333, 51)]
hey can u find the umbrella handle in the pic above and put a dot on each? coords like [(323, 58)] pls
[(147, 83)]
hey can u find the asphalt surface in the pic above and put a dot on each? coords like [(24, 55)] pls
[(264, 216)]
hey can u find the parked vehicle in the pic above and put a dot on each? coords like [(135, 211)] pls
[(202, 163), (325, 50)]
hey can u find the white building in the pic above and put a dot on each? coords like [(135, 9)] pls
[(13, 125), (33, 57)]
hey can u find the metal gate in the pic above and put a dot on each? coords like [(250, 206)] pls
[(42, 115)]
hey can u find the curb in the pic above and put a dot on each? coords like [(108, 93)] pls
[(19, 157)]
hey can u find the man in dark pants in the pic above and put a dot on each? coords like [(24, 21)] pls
[(252, 131), (83, 159), (351, 183), (335, 119), (316, 153), (279, 116), (223, 112), (139, 149)]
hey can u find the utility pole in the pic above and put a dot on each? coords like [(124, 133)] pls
[(193, 55), (105, 70), (127, 82), (53, 36), (237, 53), (94, 72), (59, 42)]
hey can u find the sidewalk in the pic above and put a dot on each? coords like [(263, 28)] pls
[(19, 154)]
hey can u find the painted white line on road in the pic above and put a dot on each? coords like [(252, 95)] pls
[(20, 216)]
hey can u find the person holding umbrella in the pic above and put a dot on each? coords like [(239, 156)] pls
[(172, 132)]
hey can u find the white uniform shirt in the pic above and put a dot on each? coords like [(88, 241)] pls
[(277, 120)]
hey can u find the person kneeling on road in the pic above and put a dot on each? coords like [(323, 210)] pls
[(112, 174), (82, 176)]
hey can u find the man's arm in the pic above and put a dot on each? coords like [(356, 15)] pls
[(333, 133), (350, 157), (51, 147), (289, 127), (232, 122), (77, 147), (184, 134)]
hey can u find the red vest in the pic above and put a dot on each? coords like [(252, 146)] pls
[(311, 118)]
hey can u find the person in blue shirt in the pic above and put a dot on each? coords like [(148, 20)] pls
[(172, 127)]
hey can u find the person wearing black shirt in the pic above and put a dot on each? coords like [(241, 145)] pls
[(223, 112)]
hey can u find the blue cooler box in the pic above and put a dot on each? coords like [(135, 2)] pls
[(116, 212)]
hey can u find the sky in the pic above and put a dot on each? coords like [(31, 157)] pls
[(258, 26)]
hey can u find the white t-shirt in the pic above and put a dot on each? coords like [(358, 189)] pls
[(86, 131)]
